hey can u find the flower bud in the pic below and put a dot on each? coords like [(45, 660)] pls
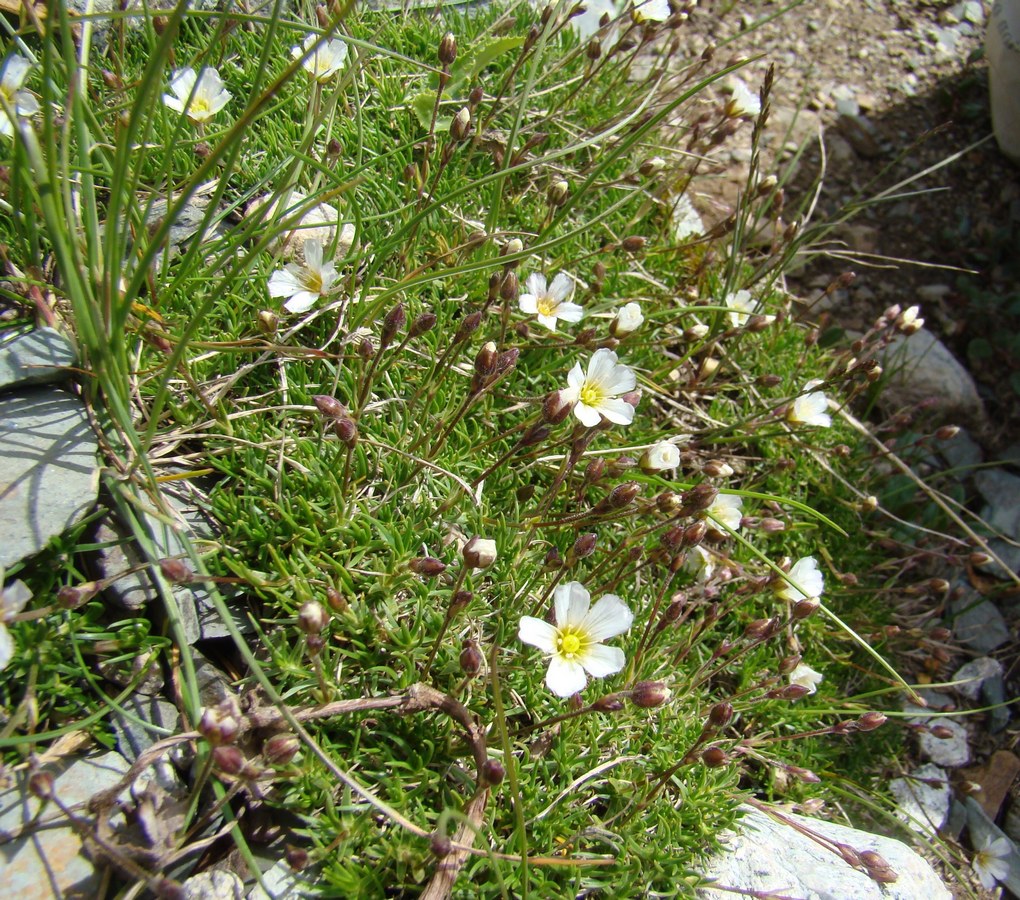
[(804, 609), (40, 784), (493, 772), (695, 533), (595, 470), (652, 166), (788, 663), (556, 408), (507, 361), (280, 749), (312, 617), (73, 596), (441, 845), (330, 407), (720, 715), (459, 601), (229, 759), (512, 247), (873, 860), (346, 430), (700, 497), (479, 553), (650, 694), (176, 571), (714, 757), (628, 320), (475, 97), (716, 468), (552, 560), (772, 526), (619, 497), (267, 322), (422, 324), (461, 124), (297, 858), (805, 775), (470, 659), (485, 360), (790, 692), (977, 558), (594, 49), (583, 547), (942, 732), (870, 721), (218, 727), (366, 349), (336, 600), (558, 193), (769, 381), (314, 644), (393, 323), (947, 432), (427, 565), (447, 49), (633, 244), (510, 286), (468, 326)]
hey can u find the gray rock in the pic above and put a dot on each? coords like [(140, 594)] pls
[(961, 452), (38, 357), (970, 678), (1008, 552), (978, 623), (773, 858), (215, 885), (845, 100), (144, 721), (993, 694), (319, 222), (932, 293), (921, 368), (280, 882), (982, 830), (951, 752), (40, 863), (49, 476), (923, 798), (1002, 493)]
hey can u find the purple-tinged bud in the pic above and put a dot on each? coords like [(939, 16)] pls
[(229, 759), (583, 547), (788, 663), (716, 468), (112, 80), (74, 596), (366, 349), (459, 601), (447, 49), (632, 397), (330, 407), (468, 326), (40, 784), (427, 565), (633, 243), (312, 617), (346, 431), (805, 775), (772, 526), (941, 732), (336, 600), (485, 359), (804, 609), (553, 560), (758, 630), (314, 644), (461, 124), (619, 497), (507, 361), (280, 749), (695, 533), (510, 286), (790, 692), (700, 497), (668, 503), (594, 49), (297, 858), (609, 703), (769, 381), (535, 435), (620, 465), (870, 721), (492, 772), (395, 320), (850, 856), (470, 659), (322, 15), (474, 98), (218, 727), (422, 324), (650, 694), (595, 470), (479, 553), (441, 846), (672, 540), (720, 715), (873, 860), (947, 432), (556, 408), (675, 608), (714, 757)]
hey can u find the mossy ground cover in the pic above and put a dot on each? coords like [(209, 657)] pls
[(349, 451)]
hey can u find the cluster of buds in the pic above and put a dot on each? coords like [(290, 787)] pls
[(331, 409), (312, 619), (220, 724)]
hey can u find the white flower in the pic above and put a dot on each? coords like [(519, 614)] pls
[(651, 11), (574, 644), (807, 581), (587, 23), (686, 221), (12, 601), (743, 101), (13, 73), (806, 677), (303, 284), (699, 563), (810, 409), (627, 321), (325, 60), (742, 306), (596, 393), (199, 97), (725, 510), (660, 457), (552, 302), (990, 861)]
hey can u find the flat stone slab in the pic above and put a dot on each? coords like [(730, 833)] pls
[(923, 798), (48, 861), (49, 474), (38, 357), (767, 857)]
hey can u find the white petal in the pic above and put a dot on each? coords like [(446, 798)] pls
[(609, 617), (6, 647), (562, 287), (26, 104), (13, 598), (548, 321), (602, 367), (575, 378), (621, 380), (619, 412), (572, 602), (15, 71), (570, 312), (182, 82), (587, 416), (301, 302), (537, 633), (174, 103), (600, 660), (528, 303), (284, 283), (535, 284), (565, 678), (313, 255), (327, 276)]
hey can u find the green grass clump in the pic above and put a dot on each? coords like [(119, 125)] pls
[(358, 443)]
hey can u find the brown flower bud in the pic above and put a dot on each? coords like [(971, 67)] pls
[(652, 166), (805, 775), (947, 432), (393, 323), (788, 663), (366, 349), (873, 860), (461, 124), (427, 565), (507, 361), (609, 703), (870, 721), (218, 727), (314, 644), (942, 732), (695, 533), (584, 546), (769, 381), (716, 468), (460, 600), (422, 324), (176, 571), (771, 526), (479, 553), (790, 692), (552, 560), (493, 772), (330, 407), (441, 845), (447, 49), (334, 148), (650, 694), (336, 601), (619, 497), (312, 617), (633, 243), (485, 359), (40, 784), (668, 503), (700, 497), (73, 596), (468, 326), (714, 757), (280, 749), (268, 322), (805, 608), (470, 659), (558, 193), (474, 98), (112, 80), (594, 49), (297, 858), (229, 759), (720, 714), (556, 408), (509, 288), (346, 430)]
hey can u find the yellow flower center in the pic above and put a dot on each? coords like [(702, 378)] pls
[(568, 644), (199, 105), (313, 282), (592, 395), (546, 305)]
